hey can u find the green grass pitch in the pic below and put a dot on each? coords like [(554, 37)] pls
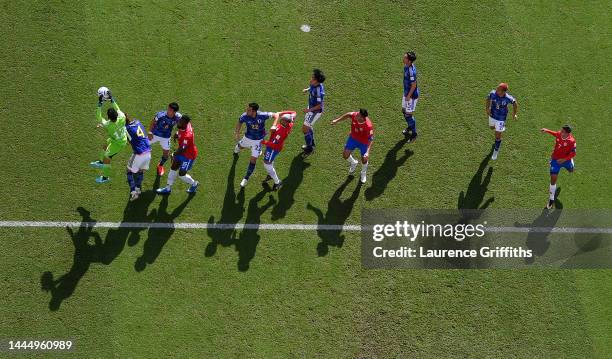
[(250, 293)]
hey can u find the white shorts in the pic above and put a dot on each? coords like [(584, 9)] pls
[(139, 162), (254, 145), (500, 126), (410, 105), (311, 118), (163, 142)]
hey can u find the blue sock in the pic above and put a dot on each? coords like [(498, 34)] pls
[(163, 160), (139, 177), (312, 141), (497, 144), (250, 170), (411, 124), (309, 138), (130, 179)]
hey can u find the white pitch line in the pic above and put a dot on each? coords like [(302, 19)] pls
[(275, 226), (290, 227), (592, 230)]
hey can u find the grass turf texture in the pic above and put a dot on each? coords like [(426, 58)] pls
[(228, 295)]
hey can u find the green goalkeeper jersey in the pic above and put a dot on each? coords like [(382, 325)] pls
[(115, 130)]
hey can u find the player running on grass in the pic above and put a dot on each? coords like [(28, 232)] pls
[(411, 96), (562, 157), (316, 93), (117, 139), (255, 121), (497, 109), (361, 136), (183, 158), (278, 134), (160, 130), (141, 156)]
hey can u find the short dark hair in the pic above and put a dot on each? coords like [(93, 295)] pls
[(318, 75), (254, 106), (174, 106), (363, 112), (112, 114), (411, 56), (186, 118), (567, 128)]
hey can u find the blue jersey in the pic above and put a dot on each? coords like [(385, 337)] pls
[(137, 135), (256, 126), (499, 105), (315, 97), (165, 123), (410, 77)]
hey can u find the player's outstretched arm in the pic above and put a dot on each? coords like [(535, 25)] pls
[(488, 106), (514, 109), (367, 154), (550, 132), (101, 120), (113, 102), (341, 118), (237, 130), (275, 116), (152, 127)]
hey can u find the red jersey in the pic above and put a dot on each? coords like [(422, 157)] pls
[(361, 132), (186, 142), (564, 148), (278, 136)]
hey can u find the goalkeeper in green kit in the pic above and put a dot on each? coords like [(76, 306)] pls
[(117, 136)]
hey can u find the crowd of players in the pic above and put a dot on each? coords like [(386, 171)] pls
[(122, 129)]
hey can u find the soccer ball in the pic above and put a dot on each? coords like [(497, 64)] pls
[(103, 91)]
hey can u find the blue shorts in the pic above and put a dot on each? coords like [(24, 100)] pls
[(555, 167), (351, 144), (270, 154), (186, 163)]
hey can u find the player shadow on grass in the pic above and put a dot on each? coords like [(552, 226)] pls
[(387, 171), (337, 213), (537, 240), (85, 253), (247, 241), (232, 211), (158, 237), (100, 251), (585, 244), (290, 185), (477, 189), (136, 212)]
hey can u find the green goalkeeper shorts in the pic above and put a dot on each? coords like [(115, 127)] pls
[(113, 148)]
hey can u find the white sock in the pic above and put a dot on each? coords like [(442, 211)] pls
[(237, 148), (187, 179), (272, 172), (172, 177), (351, 159), (364, 168), (552, 191)]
